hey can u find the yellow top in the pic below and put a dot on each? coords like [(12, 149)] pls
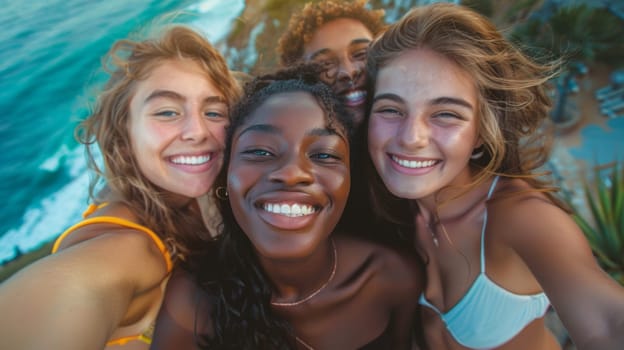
[(118, 337)]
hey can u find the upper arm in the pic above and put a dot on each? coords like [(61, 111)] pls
[(184, 313), (556, 251), (75, 298)]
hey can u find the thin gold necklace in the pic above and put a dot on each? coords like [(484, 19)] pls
[(311, 295), (305, 345)]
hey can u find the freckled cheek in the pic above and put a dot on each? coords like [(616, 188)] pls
[(380, 131), (156, 136), (461, 143), (218, 132), (145, 138), (378, 136)]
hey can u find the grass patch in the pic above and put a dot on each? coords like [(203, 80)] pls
[(8, 269)]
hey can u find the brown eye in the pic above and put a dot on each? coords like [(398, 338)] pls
[(360, 55)]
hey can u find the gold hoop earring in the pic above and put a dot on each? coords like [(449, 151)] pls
[(221, 193), (477, 153)]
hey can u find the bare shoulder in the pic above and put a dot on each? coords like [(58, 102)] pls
[(86, 232), (112, 253), (397, 270), (526, 219), (517, 206)]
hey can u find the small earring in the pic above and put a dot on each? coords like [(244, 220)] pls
[(221, 193), (477, 153)]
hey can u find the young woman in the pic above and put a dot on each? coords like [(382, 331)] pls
[(455, 128), (284, 279), (160, 125)]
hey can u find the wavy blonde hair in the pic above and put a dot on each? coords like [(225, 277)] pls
[(129, 62)]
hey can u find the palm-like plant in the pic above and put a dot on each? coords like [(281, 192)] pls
[(577, 33), (605, 228)]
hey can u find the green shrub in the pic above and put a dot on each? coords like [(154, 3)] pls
[(605, 226)]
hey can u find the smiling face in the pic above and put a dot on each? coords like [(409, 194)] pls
[(341, 47), (288, 176), (177, 128), (423, 124)]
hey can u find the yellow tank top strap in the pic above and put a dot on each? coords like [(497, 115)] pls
[(122, 222)]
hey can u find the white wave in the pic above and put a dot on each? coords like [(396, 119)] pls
[(45, 220), (216, 17), (52, 163)]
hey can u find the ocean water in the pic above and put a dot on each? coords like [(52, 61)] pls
[(49, 53)]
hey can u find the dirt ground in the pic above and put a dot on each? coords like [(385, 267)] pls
[(585, 100), (586, 105)]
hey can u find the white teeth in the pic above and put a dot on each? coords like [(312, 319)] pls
[(295, 209), (191, 160), (355, 96), (289, 210), (285, 209), (414, 164)]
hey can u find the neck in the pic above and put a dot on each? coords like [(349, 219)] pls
[(296, 281), (179, 201), (453, 202)]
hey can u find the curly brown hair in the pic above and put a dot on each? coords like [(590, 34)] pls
[(304, 24), (105, 130)]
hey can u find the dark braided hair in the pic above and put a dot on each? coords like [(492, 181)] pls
[(242, 315)]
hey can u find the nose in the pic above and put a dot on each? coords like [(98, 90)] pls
[(291, 172), (348, 70), (195, 127), (414, 133)]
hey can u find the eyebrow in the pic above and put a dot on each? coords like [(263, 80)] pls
[(326, 50), (175, 96), (436, 101), (264, 128), (388, 96), (270, 129)]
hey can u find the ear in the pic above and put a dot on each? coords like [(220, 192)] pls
[(478, 143)]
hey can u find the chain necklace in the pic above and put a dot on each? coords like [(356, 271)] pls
[(305, 345), (311, 295), (434, 235)]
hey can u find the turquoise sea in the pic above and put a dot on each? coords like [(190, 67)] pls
[(49, 53)]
